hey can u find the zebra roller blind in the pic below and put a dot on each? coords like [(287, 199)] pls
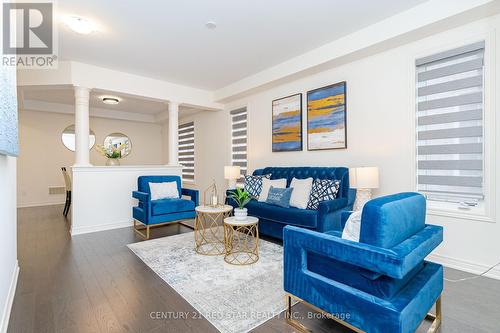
[(186, 151), (450, 131), (239, 140)]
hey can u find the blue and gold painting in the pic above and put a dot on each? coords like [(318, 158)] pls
[(326, 117), (8, 112), (287, 123)]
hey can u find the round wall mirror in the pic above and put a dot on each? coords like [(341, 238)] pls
[(117, 140), (68, 138)]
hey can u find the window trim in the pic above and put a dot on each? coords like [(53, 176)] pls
[(485, 211)]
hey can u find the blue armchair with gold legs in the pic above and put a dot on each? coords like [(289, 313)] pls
[(153, 213), (381, 284)]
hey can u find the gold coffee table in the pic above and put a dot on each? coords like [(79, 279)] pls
[(242, 240), (209, 230)]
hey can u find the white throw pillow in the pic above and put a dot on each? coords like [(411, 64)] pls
[(301, 192), (352, 227), (266, 186), (164, 190)]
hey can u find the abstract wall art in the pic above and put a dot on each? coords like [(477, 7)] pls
[(8, 112), (326, 117), (287, 123)]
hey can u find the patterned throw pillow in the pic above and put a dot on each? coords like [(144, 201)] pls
[(322, 189), (253, 184)]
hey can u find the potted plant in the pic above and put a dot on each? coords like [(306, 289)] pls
[(111, 152), (241, 197)]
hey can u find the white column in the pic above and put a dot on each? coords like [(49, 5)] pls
[(82, 154), (173, 130)]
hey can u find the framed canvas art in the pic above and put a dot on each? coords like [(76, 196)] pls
[(287, 123), (326, 117), (8, 112)]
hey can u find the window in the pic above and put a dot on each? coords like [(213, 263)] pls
[(186, 151), (450, 145), (239, 140)]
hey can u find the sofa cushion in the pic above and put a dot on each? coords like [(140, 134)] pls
[(253, 184), (301, 192), (266, 186), (339, 173), (143, 182), (322, 190), (168, 206), (279, 196), (167, 190), (293, 216)]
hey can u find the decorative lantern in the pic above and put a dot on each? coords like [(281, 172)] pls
[(210, 196)]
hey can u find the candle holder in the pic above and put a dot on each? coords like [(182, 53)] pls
[(211, 196)]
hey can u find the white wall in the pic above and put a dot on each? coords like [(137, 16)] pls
[(9, 268), (111, 205), (211, 138), (42, 153), (8, 237), (380, 127)]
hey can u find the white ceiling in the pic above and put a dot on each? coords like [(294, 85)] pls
[(132, 104), (168, 39)]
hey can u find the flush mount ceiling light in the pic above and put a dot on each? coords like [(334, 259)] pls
[(79, 24), (211, 25), (110, 100)]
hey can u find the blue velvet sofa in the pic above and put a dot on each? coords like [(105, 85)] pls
[(159, 212), (381, 284), (272, 219)]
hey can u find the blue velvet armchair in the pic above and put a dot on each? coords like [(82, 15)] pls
[(152, 213), (381, 284)]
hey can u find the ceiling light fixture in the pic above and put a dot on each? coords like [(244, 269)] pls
[(110, 100), (79, 24), (211, 25)]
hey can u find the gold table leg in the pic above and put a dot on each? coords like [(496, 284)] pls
[(209, 234), (241, 244)]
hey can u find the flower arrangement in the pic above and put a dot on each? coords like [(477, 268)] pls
[(110, 151)]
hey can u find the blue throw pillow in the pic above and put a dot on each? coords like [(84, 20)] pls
[(279, 196)]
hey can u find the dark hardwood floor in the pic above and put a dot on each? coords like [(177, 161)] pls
[(94, 283)]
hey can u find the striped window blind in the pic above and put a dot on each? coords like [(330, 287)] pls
[(450, 142), (186, 151), (239, 140)]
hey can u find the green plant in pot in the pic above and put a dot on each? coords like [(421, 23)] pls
[(242, 198)]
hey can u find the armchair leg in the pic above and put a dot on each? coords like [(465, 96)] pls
[(436, 318), (144, 236), (289, 317), (301, 328)]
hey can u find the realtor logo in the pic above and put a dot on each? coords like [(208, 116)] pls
[(28, 35)]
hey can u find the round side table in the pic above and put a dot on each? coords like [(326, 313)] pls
[(242, 240), (209, 230)]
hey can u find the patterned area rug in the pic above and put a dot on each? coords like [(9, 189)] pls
[(233, 298)]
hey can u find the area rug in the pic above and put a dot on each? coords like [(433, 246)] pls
[(233, 298)]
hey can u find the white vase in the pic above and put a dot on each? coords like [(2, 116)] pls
[(240, 213), (112, 162)]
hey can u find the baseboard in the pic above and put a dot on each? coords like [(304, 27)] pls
[(40, 204), (465, 266), (4, 324), (101, 227)]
